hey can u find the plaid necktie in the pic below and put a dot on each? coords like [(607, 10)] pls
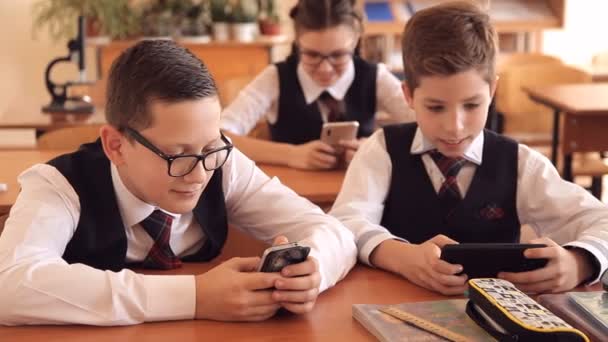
[(336, 109), (449, 193), (160, 256)]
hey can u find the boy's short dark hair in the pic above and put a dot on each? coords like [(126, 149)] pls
[(153, 70), (447, 39)]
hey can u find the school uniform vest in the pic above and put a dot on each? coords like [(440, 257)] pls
[(488, 211), (100, 239), (298, 122)]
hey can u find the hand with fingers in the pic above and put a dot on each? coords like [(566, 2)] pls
[(312, 155), (233, 291), (350, 147), (298, 288), (421, 264), (565, 269)]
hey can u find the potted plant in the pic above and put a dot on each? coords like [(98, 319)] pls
[(270, 23), (162, 18), (220, 15), (244, 20), (194, 26), (113, 18)]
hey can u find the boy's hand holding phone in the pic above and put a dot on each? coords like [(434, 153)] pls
[(421, 264), (234, 291), (312, 155), (565, 269), (298, 288)]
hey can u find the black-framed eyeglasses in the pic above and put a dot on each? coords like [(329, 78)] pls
[(182, 164), (315, 58)]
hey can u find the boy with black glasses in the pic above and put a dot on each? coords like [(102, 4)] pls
[(158, 188)]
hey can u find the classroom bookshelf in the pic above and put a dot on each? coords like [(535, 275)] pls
[(519, 23)]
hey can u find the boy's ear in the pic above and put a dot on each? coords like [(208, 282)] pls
[(407, 92), (112, 141)]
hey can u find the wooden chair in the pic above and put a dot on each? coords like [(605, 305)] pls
[(520, 58), (230, 89), (68, 138), (525, 120), (503, 100), (535, 120)]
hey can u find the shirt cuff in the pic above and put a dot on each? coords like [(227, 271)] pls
[(597, 254), (370, 240), (325, 284), (170, 297)]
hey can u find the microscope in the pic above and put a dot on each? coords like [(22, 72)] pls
[(61, 102)]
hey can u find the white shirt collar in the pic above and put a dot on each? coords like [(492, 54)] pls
[(474, 153), (338, 90), (132, 209)]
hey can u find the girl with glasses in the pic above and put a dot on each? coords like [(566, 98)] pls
[(322, 80)]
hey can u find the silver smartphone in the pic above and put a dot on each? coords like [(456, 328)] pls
[(333, 132), (277, 257)]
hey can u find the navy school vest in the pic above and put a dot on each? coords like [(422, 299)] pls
[(100, 240), (486, 214), (298, 122)]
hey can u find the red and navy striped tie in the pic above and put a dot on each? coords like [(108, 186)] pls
[(160, 256), (449, 193)]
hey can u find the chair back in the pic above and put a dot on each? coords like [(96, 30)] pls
[(521, 113), (69, 138)]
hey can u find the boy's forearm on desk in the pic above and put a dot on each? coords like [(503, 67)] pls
[(384, 256)]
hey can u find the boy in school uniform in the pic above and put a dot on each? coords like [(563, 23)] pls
[(414, 188), (158, 188)]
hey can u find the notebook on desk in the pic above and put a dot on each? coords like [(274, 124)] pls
[(594, 304), (569, 309), (449, 314)]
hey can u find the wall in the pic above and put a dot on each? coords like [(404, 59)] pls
[(583, 35)]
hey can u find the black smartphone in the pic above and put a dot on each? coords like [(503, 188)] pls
[(277, 257), (486, 260)]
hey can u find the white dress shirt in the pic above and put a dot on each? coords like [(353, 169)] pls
[(39, 287), (560, 210), (261, 97)]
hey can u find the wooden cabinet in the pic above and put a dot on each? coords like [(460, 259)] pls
[(229, 62)]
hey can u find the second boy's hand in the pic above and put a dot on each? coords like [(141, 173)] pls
[(421, 264), (565, 269)]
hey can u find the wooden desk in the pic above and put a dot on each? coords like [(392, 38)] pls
[(45, 122), (331, 319), (320, 187), (585, 108)]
